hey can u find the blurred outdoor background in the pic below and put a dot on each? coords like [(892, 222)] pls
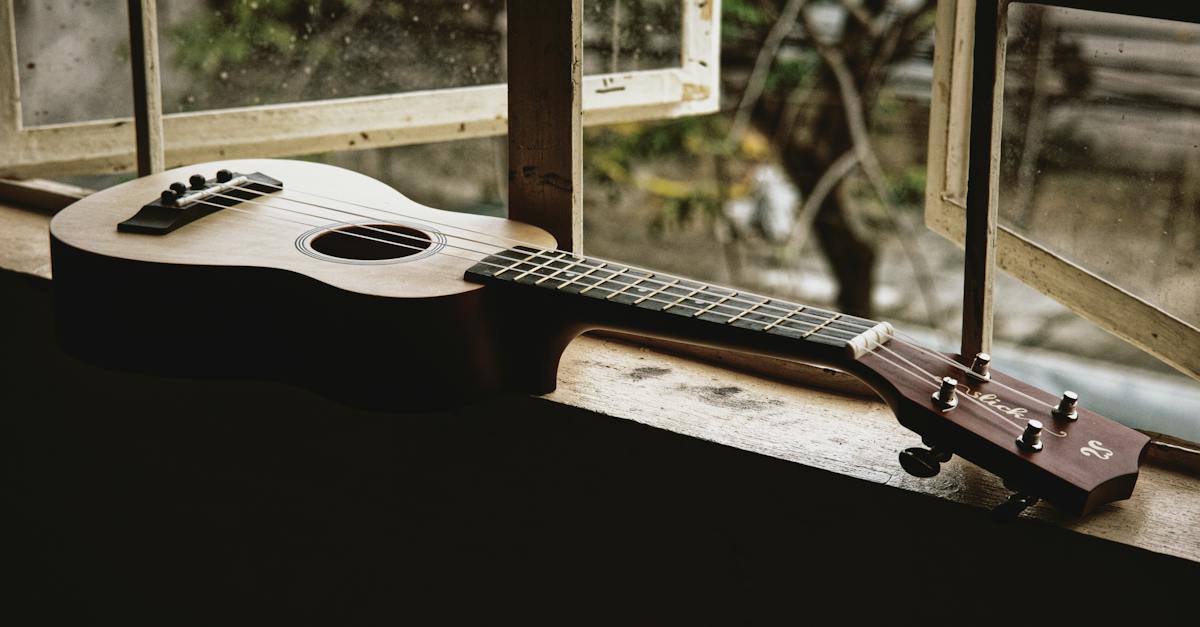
[(1100, 158)]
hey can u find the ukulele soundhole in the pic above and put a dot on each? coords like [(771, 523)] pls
[(369, 243)]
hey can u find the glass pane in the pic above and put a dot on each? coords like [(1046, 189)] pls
[(466, 175), (234, 53), (229, 53), (1101, 147), (646, 36), (73, 60)]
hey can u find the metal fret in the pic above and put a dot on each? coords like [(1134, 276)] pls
[(555, 273), (685, 297), (746, 312), (604, 280), (715, 304), (580, 276), (784, 317), (664, 287), (627, 286), (822, 325), (516, 263), (539, 266)]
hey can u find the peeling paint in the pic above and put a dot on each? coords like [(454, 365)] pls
[(694, 91)]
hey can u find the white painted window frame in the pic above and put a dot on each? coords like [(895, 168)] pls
[(1104, 303), (106, 146)]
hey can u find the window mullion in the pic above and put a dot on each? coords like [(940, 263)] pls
[(147, 89)]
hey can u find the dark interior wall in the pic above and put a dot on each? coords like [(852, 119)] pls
[(159, 501)]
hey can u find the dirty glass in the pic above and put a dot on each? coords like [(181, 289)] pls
[(74, 54), (73, 60), (1101, 147)]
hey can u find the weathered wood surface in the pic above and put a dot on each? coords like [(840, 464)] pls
[(24, 241), (841, 434), (847, 435)]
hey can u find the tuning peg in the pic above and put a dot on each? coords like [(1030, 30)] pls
[(198, 181), (1013, 507), (1031, 438), (1066, 407), (921, 462), (946, 397), (224, 176), (981, 367)]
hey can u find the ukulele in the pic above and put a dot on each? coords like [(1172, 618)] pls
[(322, 277)]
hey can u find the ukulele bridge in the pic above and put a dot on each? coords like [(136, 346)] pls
[(182, 204)]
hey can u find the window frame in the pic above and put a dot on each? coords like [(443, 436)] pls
[(299, 128), (1109, 306)]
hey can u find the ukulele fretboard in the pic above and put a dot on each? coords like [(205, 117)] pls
[(605, 280)]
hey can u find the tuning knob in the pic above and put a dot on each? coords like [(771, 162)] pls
[(179, 188), (921, 462), (980, 367), (1066, 407), (1013, 507), (1031, 438), (198, 181), (946, 397), (224, 176)]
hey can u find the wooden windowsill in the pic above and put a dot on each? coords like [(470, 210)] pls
[(837, 431)]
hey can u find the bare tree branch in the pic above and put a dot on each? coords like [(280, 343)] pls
[(872, 24), (830, 178), (762, 66), (856, 122)]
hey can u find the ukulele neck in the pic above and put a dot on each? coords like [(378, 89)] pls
[(604, 294)]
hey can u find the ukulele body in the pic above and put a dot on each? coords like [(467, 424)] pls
[(244, 294)]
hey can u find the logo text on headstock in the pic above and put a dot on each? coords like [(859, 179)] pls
[(994, 401)]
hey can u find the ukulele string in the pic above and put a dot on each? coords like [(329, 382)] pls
[(878, 345), (680, 304), (931, 378), (940, 357), (857, 329), (937, 384), (542, 252), (539, 255), (908, 339), (905, 339)]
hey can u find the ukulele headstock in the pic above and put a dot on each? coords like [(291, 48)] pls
[(1041, 446)]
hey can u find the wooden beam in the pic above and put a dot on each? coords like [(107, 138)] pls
[(983, 173), (40, 194), (545, 140), (10, 80), (147, 90)]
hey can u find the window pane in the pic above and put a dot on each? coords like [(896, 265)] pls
[(227, 53), (646, 36), (73, 60), (1101, 147)]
